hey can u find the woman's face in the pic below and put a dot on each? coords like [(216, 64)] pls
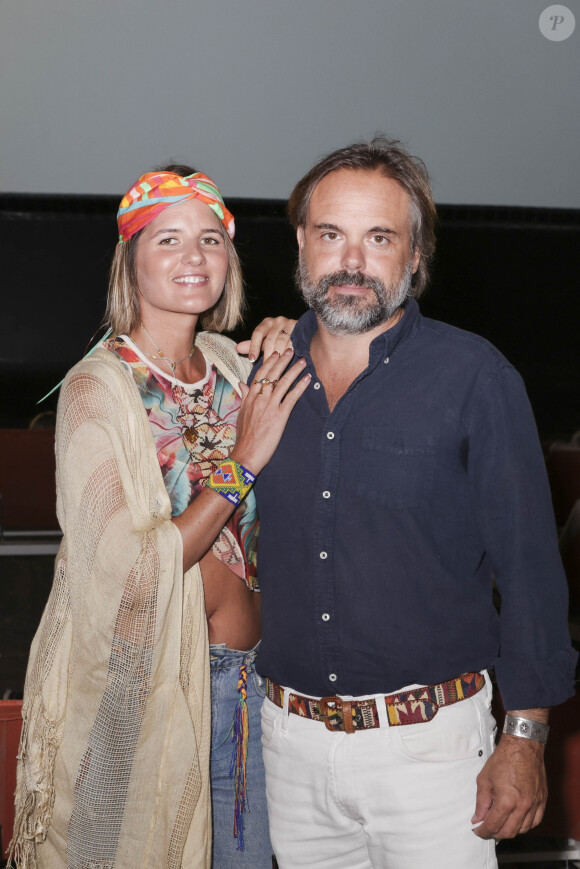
[(181, 261)]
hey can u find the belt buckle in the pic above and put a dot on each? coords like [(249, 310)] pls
[(337, 704)]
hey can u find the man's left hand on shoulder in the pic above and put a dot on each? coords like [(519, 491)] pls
[(511, 788)]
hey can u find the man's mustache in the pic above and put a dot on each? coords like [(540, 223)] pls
[(344, 279)]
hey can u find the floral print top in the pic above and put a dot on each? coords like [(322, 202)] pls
[(194, 429)]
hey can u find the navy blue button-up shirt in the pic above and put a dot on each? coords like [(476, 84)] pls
[(383, 523)]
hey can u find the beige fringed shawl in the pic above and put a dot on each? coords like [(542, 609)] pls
[(114, 756)]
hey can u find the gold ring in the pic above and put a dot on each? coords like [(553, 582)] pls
[(263, 381)]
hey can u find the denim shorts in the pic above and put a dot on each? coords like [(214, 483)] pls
[(227, 849)]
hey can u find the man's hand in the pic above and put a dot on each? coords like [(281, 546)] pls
[(511, 788), (272, 334)]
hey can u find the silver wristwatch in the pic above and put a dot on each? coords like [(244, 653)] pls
[(526, 728)]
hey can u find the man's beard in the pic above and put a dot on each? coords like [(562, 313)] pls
[(353, 315)]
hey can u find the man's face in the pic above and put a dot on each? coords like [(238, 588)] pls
[(356, 263)]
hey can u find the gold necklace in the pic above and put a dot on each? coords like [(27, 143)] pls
[(161, 355), (190, 434)]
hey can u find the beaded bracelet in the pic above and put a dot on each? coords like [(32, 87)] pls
[(231, 480)]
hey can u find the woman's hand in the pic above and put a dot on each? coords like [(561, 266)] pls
[(262, 418), (271, 334), (265, 410)]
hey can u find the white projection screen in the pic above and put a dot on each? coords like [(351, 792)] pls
[(94, 92)]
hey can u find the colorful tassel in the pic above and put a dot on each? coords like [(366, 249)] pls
[(239, 756)]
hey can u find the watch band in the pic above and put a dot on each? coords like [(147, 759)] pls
[(526, 728)]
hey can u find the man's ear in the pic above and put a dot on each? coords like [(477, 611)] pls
[(300, 238), (415, 259)]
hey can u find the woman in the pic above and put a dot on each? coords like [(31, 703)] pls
[(158, 444)]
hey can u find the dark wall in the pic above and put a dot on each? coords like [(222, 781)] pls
[(510, 274)]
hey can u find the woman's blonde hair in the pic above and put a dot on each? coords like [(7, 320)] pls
[(122, 314)]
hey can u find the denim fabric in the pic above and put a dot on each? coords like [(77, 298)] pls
[(225, 667)]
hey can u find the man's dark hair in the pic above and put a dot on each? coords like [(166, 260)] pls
[(388, 157)]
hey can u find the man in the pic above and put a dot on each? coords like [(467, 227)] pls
[(408, 477)]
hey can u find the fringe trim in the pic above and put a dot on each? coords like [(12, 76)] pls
[(239, 756), (34, 799)]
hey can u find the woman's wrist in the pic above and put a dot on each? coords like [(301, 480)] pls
[(246, 459), (232, 480)]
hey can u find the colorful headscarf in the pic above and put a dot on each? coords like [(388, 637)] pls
[(156, 191)]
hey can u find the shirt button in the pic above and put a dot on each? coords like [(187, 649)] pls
[(324, 555), (387, 361), (330, 435), (326, 494), (332, 677), (325, 617), (317, 386)]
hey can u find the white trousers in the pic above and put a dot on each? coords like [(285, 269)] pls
[(387, 798)]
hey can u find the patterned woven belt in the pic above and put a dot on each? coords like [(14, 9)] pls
[(407, 707)]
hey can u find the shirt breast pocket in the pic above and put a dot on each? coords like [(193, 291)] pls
[(396, 467)]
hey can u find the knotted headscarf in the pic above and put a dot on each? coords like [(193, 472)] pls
[(156, 191)]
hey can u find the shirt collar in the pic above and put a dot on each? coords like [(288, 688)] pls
[(383, 346)]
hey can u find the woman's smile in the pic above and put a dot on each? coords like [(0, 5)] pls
[(181, 261)]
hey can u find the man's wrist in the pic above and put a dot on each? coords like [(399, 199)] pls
[(525, 728)]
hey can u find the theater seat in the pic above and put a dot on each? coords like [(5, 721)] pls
[(27, 480), (563, 465)]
